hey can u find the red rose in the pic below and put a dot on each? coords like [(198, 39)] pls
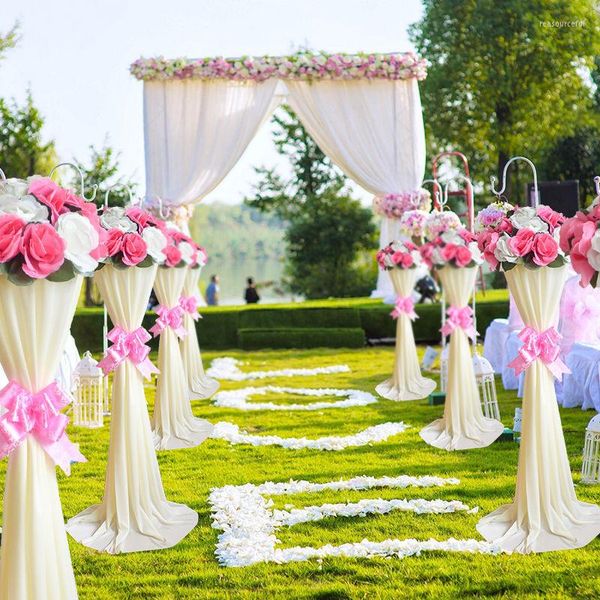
[(50, 194), (134, 249), (173, 255), (11, 230), (43, 250), (545, 249), (522, 243), (114, 241)]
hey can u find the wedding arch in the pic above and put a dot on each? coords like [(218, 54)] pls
[(363, 110)]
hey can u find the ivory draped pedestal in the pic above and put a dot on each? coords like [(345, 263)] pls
[(134, 514), (174, 424), (200, 385), (406, 382), (545, 514), (463, 425), (35, 563)]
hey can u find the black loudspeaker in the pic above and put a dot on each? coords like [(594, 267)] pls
[(562, 196)]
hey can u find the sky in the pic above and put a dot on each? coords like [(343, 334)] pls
[(74, 55)]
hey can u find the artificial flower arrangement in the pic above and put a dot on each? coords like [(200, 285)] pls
[(580, 239), (509, 235), (399, 255), (449, 243), (47, 232), (393, 206), (303, 65), (182, 250), (412, 224)]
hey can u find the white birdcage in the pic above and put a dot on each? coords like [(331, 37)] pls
[(590, 470), (88, 404), (486, 382), (444, 368)]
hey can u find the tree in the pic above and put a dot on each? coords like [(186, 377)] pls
[(505, 78), (9, 39)]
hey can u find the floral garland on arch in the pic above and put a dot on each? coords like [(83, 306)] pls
[(300, 66), (393, 206), (248, 523), (47, 232)]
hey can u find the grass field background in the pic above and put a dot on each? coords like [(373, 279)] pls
[(190, 569)]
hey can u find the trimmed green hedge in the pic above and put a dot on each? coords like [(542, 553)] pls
[(302, 337)]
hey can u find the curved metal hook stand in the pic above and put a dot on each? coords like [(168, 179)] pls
[(437, 188), (470, 198), (535, 200), (597, 185), (118, 185), (81, 179), (3, 175), (164, 216)]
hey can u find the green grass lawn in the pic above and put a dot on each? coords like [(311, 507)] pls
[(190, 569)]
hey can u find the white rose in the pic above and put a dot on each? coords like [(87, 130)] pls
[(436, 257), (416, 256), (25, 207), (388, 261), (14, 187), (187, 252), (593, 254), (475, 252), (523, 216), (451, 237), (80, 238), (156, 241), (503, 253), (115, 218)]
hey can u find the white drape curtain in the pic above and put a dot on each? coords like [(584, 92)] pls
[(463, 425), (545, 514), (373, 131), (34, 561), (174, 424), (406, 382), (195, 132), (200, 385), (134, 513)]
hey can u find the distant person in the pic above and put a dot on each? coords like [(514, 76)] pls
[(212, 291), (251, 295)]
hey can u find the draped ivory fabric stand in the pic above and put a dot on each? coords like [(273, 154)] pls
[(200, 385), (134, 514), (463, 425), (174, 424), (406, 382), (545, 514), (35, 563)]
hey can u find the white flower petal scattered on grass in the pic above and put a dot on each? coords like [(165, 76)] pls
[(229, 368), (249, 525), (239, 398), (376, 433)]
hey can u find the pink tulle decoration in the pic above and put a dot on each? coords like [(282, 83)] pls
[(579, 315)]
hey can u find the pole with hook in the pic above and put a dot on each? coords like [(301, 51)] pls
[(3, 175), (437, 190), (534, 201), (81, 180)]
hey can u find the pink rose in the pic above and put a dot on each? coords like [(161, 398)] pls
[(140, 217), (463, 256), (403, 259), (11, 230), (173, 256), (545, 249), (571, 231), (505, 226), (134, 249), (553, 218), (581, 264), (114, 242), (50, 194), (522, 243), (466, 235), (43, 250), (426, 251), (448, 252), (486, 242)]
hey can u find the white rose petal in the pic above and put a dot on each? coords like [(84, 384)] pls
[(503, 253), (593, 257), (475, 252), (156, 241), (14, 187), (451, 237), (187, 252), (25, 207), (115, 218), (522, 216), (80, 238)]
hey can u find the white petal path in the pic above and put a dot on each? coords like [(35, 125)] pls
[(229, 368), (239, 398), (249, 526), (377, 433)]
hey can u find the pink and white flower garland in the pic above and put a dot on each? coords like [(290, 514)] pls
[(393, 206), (301, 66)]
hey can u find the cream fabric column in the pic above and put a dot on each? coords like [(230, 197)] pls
[(35, 563), (174, 424), (406, 382), (463, 425), (373, 131), (195, 131), (199, 384), (134, 513), (545, 514)]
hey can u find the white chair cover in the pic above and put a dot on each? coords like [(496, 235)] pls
[(35, 563), (463, 425), (134, 513), (406, 382), (174, 424), (494, 342), (582, 386), (545, 514)]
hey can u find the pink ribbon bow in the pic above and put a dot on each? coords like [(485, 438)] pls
[(130, 345), (404, 306), (540, 345), (169, 317), (459, 318), (37, 414), (190, 305)]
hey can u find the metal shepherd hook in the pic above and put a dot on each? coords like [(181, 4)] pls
[(535, 197)]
